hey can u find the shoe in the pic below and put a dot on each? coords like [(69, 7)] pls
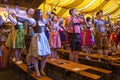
[(99, 60), (43, 73), (52, 59), (88, 58), (39, 76), (19, 62), (13, 59)]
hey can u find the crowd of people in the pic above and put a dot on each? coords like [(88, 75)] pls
[(41, 37)]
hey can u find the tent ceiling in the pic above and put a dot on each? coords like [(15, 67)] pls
[(23, 3), (111, 7)]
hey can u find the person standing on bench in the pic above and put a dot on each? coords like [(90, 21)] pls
[(29, 32), (39, 46), (29, 23), (74, 25), (54, 40), (18, 38), (101, 39), (88, 37)]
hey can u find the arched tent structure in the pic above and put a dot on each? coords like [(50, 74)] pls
[(61, 7)]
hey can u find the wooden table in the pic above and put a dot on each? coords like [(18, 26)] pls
[(101, 56), (113, 58), (68, 65)]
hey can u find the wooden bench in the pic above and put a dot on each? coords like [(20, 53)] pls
[(116, 64), (90, 75), (101, 70), (63, 50), (92, 60), (24, 68)]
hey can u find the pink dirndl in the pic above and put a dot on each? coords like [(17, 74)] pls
[(54, 39)]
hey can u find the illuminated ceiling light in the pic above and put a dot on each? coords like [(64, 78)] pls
[(115, 14), (49, 8), (111, 9), (89, 4), (66, 2), (50, 1), (109, 4), (66, 13), (80, 9), (85, 2)]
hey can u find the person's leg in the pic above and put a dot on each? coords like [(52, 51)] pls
[(29, 63), (29, 59), (72, 48), (17, 54), (0, 58), (53, 53), (56, 54), (77, 48), (36, 67), (71, 56), (88, 51), (13, 54), (101, 45), (106, 46), (99, 42), (76, 56), (2, 51), (43, 63), (4, 55)]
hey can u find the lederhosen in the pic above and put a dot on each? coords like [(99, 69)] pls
[(103, 36), (74, 39)]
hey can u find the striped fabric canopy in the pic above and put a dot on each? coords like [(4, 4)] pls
[(61, 7)]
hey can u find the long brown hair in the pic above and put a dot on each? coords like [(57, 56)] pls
[(37, 15)]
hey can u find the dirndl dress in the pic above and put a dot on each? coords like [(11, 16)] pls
[(11, 38), (39, 45), (8, 42), (19, 38), (54, 40)]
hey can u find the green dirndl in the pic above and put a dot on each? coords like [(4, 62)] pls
[(8, 42), (19, 38)]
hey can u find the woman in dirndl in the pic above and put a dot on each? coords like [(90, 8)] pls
[(18, 38), (54, 40), (39, 46)]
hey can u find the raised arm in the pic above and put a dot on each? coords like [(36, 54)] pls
[(31, 21), (108, 21), (68, 21), (86, 23), (11, 16)]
